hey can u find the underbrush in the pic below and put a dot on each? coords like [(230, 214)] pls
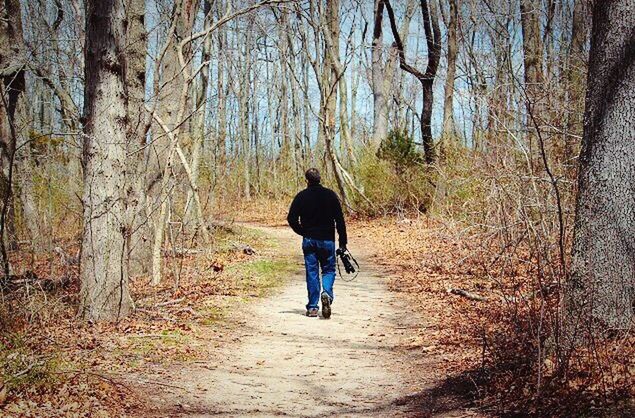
[(496, 327), (52, 363)]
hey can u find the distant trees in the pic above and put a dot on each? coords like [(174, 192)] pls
[(601, 289), (230, 99)]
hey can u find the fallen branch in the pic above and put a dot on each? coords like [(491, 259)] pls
[(466, 294), (154, 382), (246, 249), (180, 252)]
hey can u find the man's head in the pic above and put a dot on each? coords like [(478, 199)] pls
[(312, 176)]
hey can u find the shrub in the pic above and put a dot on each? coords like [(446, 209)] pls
[(394, 179)]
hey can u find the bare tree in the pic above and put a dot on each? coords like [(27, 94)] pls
[(433, 39), (104, 278), (384, 86)]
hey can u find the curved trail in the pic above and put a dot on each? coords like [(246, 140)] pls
[(286, 364)]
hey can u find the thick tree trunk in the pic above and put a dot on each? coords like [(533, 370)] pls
[(104, 279), (12, 85), (601, 289)]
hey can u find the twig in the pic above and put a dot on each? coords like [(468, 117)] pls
[(466, 294), (170, 302)]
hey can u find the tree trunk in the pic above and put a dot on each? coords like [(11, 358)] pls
[(433, 39), (380, 104), (200, 116), (532, 58), (139, 242), (601, 288), (11, 87), (448, 117), (574, 76), (245, 99), (345, 130), (104, 279), (221, 133), (329, 86)]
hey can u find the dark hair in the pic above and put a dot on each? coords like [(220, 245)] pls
[(312, 175)]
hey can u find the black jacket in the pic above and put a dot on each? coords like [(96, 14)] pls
[(315, 212)]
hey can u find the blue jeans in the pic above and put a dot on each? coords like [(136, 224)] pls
[(318, 253)]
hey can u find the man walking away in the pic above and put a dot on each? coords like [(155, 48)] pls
[(315, 213)]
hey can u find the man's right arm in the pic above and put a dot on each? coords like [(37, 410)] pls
[(293, 218)]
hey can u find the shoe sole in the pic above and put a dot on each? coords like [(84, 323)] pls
[(326, 306)]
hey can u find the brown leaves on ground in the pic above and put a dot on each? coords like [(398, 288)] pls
[(502, 348), (55, 364)]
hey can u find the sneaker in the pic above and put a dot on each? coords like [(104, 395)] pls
[(312, 313), (326, 305)]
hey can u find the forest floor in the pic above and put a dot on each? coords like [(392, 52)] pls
[(224, 333), (367, 360)]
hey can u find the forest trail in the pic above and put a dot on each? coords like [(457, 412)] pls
[(282, 363)]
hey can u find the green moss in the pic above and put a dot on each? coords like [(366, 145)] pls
[(260, 276), (153, 347), (21, 367), (233, 238), (212, 314)]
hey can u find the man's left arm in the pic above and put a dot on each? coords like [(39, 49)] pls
[(340, 224)]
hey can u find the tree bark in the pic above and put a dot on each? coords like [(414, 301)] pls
[(221, 132), (448, 109), (574, 76), (244, 100), (12, 85), (139, 242), (532, 58), (200, 117), (330, 76), (380, 104), (104, 291), (600, 292)]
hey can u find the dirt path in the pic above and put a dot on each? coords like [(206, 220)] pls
[(283, 363)]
